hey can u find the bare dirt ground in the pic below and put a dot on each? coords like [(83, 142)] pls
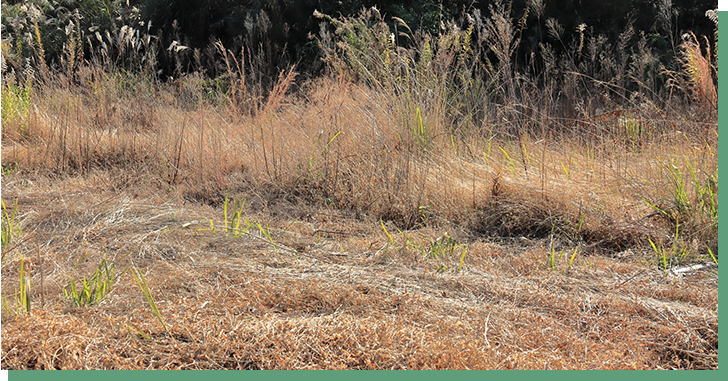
[(323, 290)]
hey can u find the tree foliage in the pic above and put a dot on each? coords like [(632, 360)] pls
[(280, 33)]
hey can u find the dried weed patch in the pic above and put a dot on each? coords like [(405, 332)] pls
[(328, 300)]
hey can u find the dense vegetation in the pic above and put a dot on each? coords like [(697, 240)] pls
[(547, 171), (600, 76), (282, 31), (455, 80)]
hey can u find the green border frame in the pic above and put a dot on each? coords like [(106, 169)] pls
[(722, 123)]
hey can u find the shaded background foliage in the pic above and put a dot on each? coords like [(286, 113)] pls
[(279, 33), (284, 27)]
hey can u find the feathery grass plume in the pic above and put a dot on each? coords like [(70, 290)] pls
[(664, 20), (73, 47), (554, 28), (712, 14), (35, 14), (502, 41), (538, 7), (236, 73), (271, 155), (700, 71)]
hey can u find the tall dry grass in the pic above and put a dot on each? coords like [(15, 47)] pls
[(412, 128)]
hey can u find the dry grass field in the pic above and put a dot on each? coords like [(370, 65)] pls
[(347, 222)]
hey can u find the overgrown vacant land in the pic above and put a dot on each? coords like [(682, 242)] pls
[(426, 204)]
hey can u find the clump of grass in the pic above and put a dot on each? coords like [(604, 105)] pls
[(232, 223), (690, 205), (672, 256), (11, 228), (232, 226), (553, 259), (93, 289), (441, 250), (15, 105), (444, 247), (9, 169), (22, 292)]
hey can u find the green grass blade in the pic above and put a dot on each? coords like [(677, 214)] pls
[(24, 287), (712, 256), (266, 233), (225, 214), (389, 236), (462, 258), (573, 256), (142, 283)]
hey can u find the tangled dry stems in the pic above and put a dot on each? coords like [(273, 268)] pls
[(332, 301)]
